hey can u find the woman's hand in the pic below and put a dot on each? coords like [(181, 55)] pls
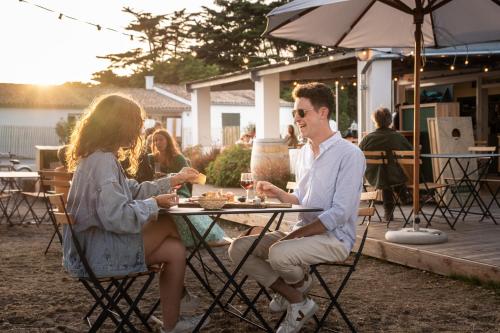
[(167, 200), (188, 175)]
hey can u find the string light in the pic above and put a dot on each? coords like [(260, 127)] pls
[(395, 79), (246, 60), (452, 67), (331, 58), (61, 16), (421, 69), (295, 83), (354, 84), (342, 87), (486, 69), (194, 54), (286, 62)]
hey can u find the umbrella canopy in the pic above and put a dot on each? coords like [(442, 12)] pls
[(389, 23)]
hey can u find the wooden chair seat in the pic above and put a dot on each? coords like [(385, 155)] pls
[(428, 186)]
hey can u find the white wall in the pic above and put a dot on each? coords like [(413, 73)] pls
[(34, 117), (247, 116)]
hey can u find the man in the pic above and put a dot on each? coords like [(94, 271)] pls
[(329, 175), (386, 177)]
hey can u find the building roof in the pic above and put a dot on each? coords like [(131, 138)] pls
[(229, 97), (63, 96)]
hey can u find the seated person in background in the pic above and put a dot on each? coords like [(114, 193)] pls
[(329, 175), (245, 139), (116, 219), (385, 177), (291, 139), (167, 155)]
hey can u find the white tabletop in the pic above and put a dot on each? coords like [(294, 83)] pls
[(15, 174), (459, 155)]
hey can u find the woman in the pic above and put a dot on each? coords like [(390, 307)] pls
[(117, 218), (166, 154), (291, 139)]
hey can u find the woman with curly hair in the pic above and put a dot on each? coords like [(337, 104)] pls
[(117, 220)]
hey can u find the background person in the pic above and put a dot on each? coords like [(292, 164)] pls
[(167, 154), (291, 139), (117, 220), (385, 177)]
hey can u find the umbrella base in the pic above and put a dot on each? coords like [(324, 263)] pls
[(411, 236)]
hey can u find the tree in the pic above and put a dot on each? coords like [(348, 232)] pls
[(231, 36)]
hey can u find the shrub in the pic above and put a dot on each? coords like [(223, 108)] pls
[(200, 159), (226, 170)]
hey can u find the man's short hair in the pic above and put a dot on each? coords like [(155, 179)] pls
[(382, 117), (319, 94)]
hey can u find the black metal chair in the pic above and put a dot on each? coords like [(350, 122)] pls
[(111, 294), (349, 265), (51, 182)]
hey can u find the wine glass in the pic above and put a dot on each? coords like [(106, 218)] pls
[(246, 181), (176, 187)]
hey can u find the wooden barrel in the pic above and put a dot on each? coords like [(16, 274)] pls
[(270, 161)]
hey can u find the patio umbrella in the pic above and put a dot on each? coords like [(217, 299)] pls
[(389, 23)]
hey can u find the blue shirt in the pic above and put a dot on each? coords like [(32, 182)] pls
[(333, 181), (109, 211)]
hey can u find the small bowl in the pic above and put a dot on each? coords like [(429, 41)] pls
[(212, 203)]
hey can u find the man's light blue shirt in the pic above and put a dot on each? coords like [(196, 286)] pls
[(333, 181)]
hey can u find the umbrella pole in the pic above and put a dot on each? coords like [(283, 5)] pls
[(419, 19)]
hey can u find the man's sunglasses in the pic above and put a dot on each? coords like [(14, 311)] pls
[(300, 112)]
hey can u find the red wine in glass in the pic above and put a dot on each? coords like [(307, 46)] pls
[(246, 184), (246, 181)]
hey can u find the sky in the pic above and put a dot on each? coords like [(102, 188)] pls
[(37, 47)]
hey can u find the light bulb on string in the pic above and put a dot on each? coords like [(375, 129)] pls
[(342, 87), (395, 79), (486, 69), (330, 58), (194, 54), (246, 61), (354, 84), (452, 67), (61, 16), (286, 62)]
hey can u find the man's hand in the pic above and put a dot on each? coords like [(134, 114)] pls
[(267, 189), (167, 200)]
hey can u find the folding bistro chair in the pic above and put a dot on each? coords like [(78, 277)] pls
[(110, 294), (374, 157), (432, 190), (51, 182)]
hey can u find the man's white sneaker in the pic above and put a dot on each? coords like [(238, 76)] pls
[(280, 303), (297, 315), (186, 324)]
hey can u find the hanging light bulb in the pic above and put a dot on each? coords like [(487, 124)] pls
[(395, 79), (295, 83), (452, 68), (421, 69), (354, 84), (466, 61), (246, 61), (336, 82), (287, 62), (330, 58), (486, 69), (342, 87)]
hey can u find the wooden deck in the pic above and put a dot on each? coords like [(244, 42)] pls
[(472, 250)]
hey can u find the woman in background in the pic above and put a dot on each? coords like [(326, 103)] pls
[(167, 156), (291, 139)]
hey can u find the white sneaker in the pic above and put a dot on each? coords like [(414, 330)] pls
[(186, 324), (189, 301), (297, 315), (280, 303)]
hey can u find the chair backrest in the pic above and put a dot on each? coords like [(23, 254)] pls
[(62, 217), (490, 149), (375, 157), (369, 197), (405, 157), (58, 181)]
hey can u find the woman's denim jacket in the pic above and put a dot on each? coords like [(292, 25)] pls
[(109, 211)]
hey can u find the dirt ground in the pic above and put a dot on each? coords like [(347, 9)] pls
[(36, 295)]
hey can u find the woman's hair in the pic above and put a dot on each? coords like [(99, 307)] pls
[(61, 155), (172, 148), (382, 117), (291, 130), (113, 123)]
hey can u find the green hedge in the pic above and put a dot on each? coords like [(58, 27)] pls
[(226, 170)]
